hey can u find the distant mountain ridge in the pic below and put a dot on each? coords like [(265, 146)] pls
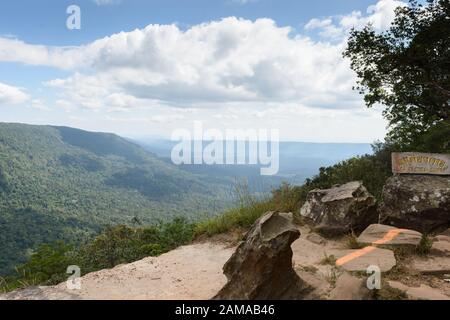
[(298, 160)]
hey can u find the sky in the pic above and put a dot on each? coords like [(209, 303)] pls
[(147, 68)]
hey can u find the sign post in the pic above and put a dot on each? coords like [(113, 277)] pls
[(421, 163)]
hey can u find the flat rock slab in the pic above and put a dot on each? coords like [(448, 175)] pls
[(191, 272), (360, 260), (432, 265), (423, 292), (441, 246), (379, 234), (316, 238), (349, 287)]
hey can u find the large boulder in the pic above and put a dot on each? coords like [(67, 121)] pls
[(340, 209), (417, 202), (261, 268)]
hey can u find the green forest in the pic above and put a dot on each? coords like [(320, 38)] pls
[(59, 183)]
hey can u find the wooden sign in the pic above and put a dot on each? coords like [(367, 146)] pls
[(421, 163)]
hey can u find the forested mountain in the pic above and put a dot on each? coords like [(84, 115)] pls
[(65, 183)]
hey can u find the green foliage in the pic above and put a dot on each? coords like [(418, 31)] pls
[(45, 266), (115, 245), (436, 139), (407, 69), (48, 264), (123, 244), (424, 247)]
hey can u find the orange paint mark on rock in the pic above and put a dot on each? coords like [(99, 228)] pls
[(391, 235)]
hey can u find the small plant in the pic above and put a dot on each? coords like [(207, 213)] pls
[(352, 241), (286, 198), (328, 259), (425, 245), (332, 276), (310, 269), (388, 293), (3, 285)]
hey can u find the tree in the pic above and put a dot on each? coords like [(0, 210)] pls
[(407, 69)]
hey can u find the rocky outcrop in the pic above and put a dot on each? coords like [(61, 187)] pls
[(261, 267), (417, 202), (340, 209)]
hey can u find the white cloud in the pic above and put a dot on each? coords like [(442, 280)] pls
[(39, 104), (10, 95), (231, 60), (380, 15)]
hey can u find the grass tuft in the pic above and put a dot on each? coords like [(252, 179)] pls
[(242, 217)]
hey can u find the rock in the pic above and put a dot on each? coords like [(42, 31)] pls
[(416, 202), (442, 238), (361, 259), (423, 292), (40, 293), (320, 286), (315, 238), (432, 265), (261, 268), (349, 287), (446, 233), (379, 234), (340, 209), (441, 246)]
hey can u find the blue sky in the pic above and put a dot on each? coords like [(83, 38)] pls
[(228, 63), (43, 21)]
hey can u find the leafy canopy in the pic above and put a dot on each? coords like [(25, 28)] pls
[(407, 69)]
